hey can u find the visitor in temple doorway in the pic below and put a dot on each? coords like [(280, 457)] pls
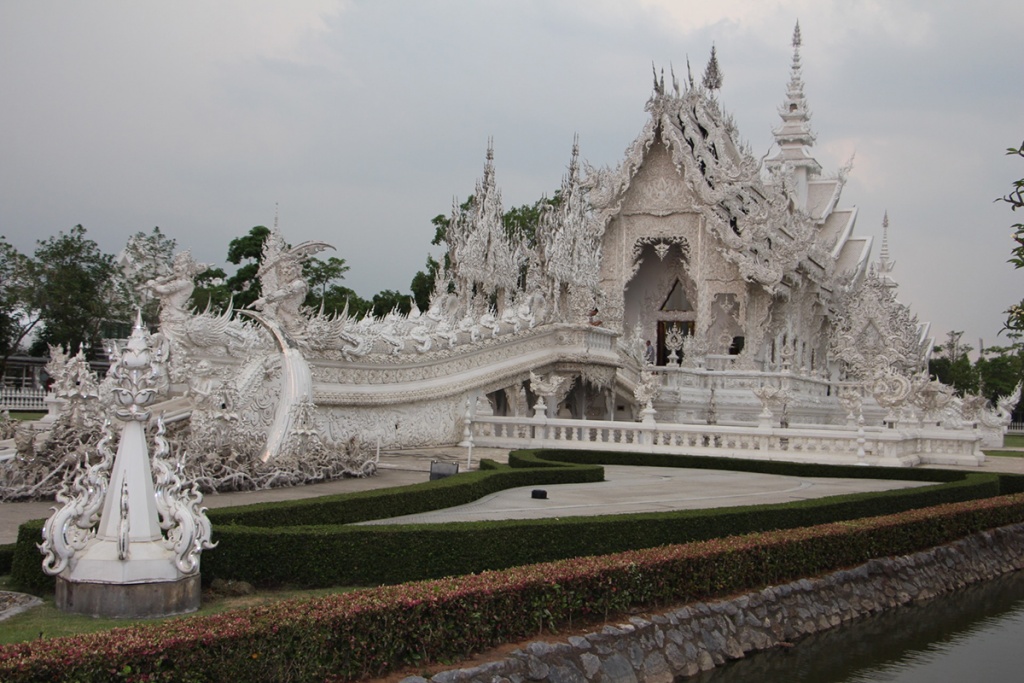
[(649, 356)]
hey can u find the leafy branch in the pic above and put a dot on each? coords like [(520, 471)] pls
[(1015, 198)]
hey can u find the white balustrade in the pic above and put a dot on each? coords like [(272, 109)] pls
[(22, 399), (837, 446)]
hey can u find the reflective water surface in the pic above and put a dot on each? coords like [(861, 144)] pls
[(974, 634)]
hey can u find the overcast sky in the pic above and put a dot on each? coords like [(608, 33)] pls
[(362, 120)]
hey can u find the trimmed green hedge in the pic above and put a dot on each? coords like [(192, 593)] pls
[(320, 518), (1013, 483), (361, 634), (6, 557), (359, 555), (349, 508), (305, 543), (26, 561)]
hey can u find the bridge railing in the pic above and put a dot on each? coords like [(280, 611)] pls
[(841, 445), (12, 398)]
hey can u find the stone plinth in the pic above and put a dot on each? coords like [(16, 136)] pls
[(129, 600)]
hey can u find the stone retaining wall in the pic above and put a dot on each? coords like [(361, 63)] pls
[(700, 636)]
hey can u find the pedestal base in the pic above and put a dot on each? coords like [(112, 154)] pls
[(129, 600)]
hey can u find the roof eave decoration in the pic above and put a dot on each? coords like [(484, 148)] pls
[(755, 221)]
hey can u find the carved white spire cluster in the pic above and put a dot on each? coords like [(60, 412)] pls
[(567, 258), (485, 259)]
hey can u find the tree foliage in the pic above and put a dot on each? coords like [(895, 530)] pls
[(76, 293), (388, 300), (19, 309), (422, 284), (994, 374), (953, 366), (215, 289), (246, 252), (325, 292), (1015, 198)]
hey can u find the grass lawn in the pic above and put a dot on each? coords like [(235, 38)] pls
[(1013, 441), (27, 414), (46, 621), (1009, 441)]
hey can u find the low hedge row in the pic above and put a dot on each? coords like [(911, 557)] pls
[(348, 508), (369, 555), (1009, 483), (349, 636), (345, 555), (320, 517), (6, 557)]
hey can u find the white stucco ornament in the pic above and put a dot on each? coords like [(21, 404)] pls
[(118, 528)]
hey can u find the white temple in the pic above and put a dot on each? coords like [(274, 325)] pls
[(772, 333)]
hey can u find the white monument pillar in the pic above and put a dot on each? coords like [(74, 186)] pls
[(124, 546)]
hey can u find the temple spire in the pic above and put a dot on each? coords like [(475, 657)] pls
[(885, 264), (794, 137)]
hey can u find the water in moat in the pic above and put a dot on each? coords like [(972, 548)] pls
[(974, 634)]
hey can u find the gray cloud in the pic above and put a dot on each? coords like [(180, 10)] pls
[(362, 120)]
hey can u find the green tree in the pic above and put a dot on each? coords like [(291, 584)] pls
[(215, 289), (388, 300), (19, 308), (77, 300), (320, 276), (338, 298), (954, 366), (246, 252), (422, 284), (211, 290), (999, 369), (1015, 198)]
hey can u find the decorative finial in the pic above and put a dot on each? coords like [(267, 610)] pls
[(884, 253), (885, 264), (689, 72), (796, 35), (712, 73), (277, 212)]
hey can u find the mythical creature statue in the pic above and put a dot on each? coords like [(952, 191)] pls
[(284, 288), (174, 290)]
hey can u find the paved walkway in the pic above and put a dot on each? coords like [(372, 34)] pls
[(628, 490), (649, 489)]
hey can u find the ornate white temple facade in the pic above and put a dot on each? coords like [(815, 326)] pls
[(771, 332)]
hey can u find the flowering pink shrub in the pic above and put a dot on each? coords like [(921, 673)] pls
[(365, 633)]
